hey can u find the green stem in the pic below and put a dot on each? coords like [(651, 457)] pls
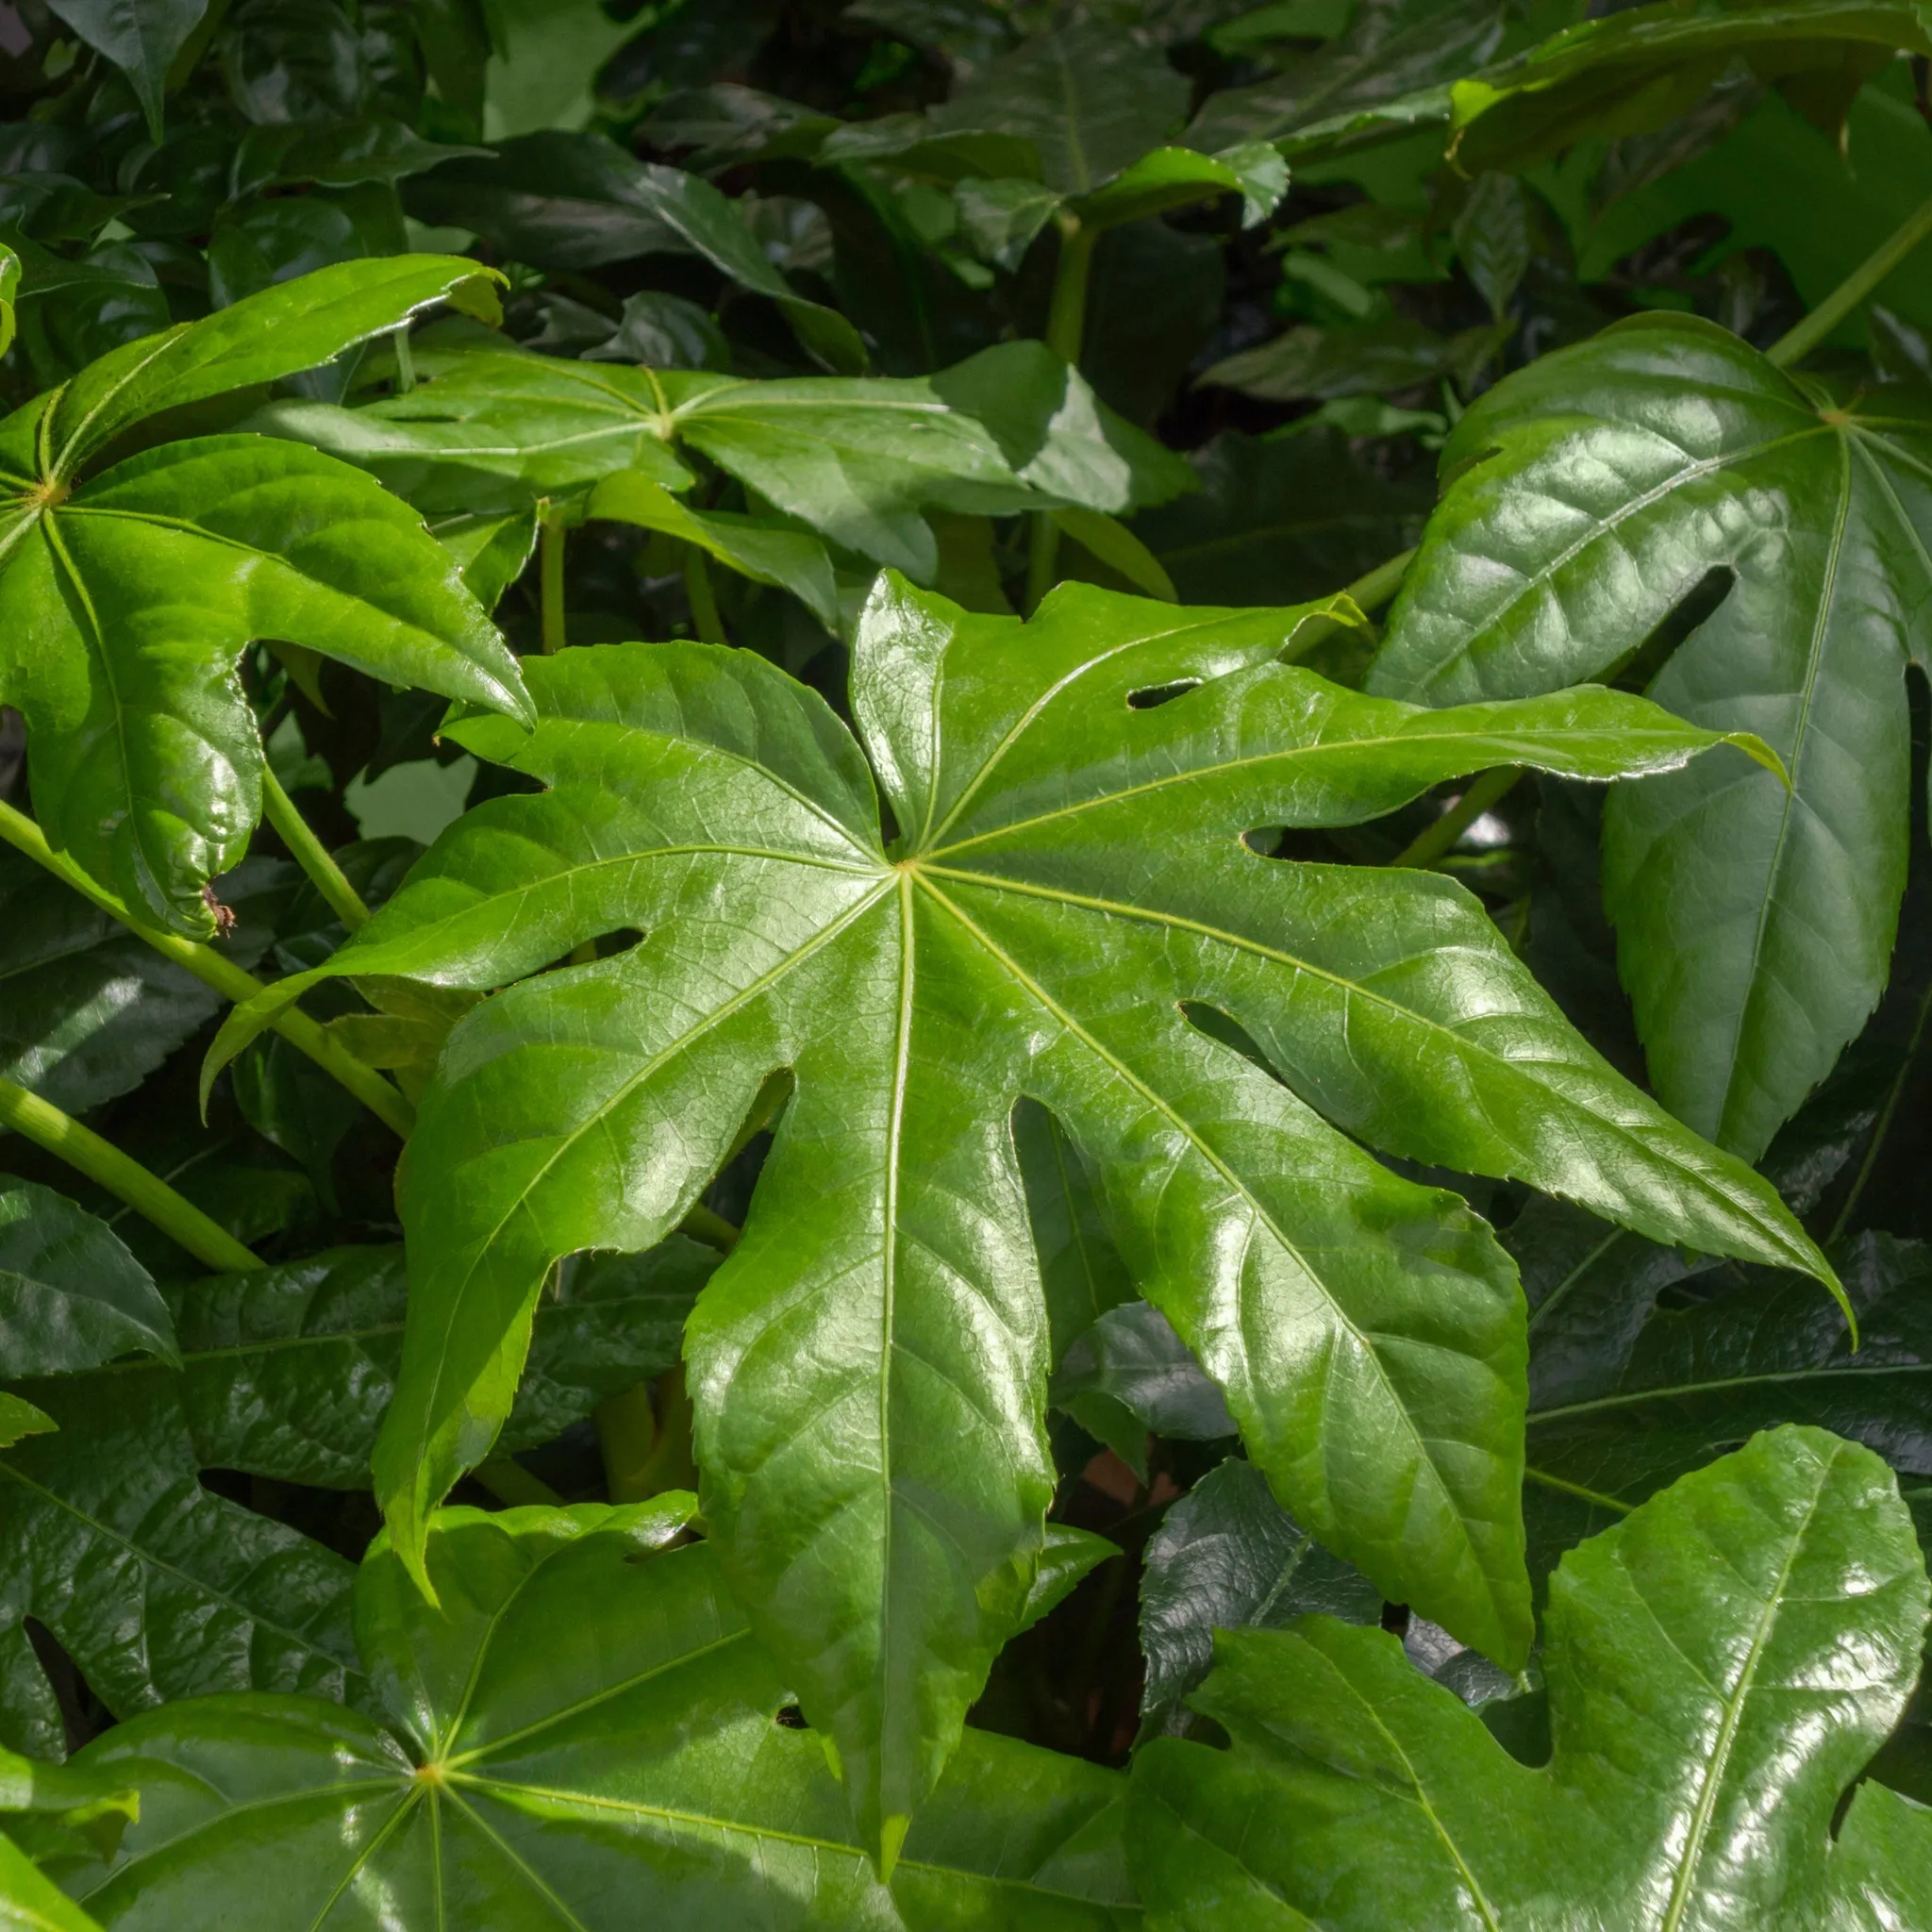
[(147, 1193), (1428, 846), (706, 1224), (1791, 349), (405, 363), (550, 576), (310, 854), (1372, 592), (227, 979), (1066, 332), (705, 613), (508, 1481), (627, 1440)]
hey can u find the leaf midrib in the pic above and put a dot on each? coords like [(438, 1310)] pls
[(1672, 1392)]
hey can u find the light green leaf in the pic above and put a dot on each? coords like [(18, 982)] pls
[(868, 1366), (1721, 1666), (1755, 922), (1117, 546), (760, 548), (20, 1419), (543, 58), (1169, 177), (585, 1726), (30, 1902)]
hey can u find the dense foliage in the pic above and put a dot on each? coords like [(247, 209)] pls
[(966, 964)]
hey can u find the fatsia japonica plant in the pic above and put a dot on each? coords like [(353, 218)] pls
[(964, 965)]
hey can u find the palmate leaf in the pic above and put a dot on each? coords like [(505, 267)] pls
[(1721, 1665), (1754, 922), (125, 597), (583, 1734), (1013, 428), (1069, 869), (159, 1589)]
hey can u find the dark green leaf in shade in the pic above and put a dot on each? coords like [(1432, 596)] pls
[(1694, 1381), (573, 201), (71, 1296), (125, 597), (139, 37), (158, 1587), (1721, 1666), (1229, 1556), (1755, 922), (1131, 1356), (1092, 100), (1322, 363), (583, 1734), (337, 153), (868, 1366), (1387, 75), (87, 1009), (1642, 66), (1280, 520)]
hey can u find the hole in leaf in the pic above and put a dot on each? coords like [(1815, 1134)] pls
[(791, 1718), (1152, 695), (1697, 605), (1265, 841)]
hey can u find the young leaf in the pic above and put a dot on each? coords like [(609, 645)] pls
[(583, 1720), (1755, 920), (1721, 1666), (125, 597), (1012, 428), (139, 37), (867, 1367), (71, 1296)]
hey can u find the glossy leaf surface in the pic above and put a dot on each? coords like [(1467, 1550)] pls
[(1755, 923), (1721, 1666), (583, 1734), (125, 597), (868, 1366)]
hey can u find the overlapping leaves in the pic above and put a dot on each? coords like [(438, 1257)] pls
[(582, 1721), (1069, 868), (1721, 1666), (1755, 922), (127, 592)]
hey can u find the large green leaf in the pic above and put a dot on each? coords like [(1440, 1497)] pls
[(1754, 922), (582, 1735), (71, 1296), (572, 201), (1642, 66), (159, 1588), (1013, 428), (127, 596), (1721, 1666), (87, 1009), (1069, 869)]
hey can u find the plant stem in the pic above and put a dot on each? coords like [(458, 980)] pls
[(405, 363), (310, 854), (1792, 348), (1372, 592), (703, 599), (227, 979), (1066, 331), (550, 574), (1429, 845), (124, 1177), (707, 1225), (508, 1481)]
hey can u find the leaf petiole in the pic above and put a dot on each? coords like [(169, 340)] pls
[(124, 1177), (228, 979), (1794, 348), (1430, 843), (310, 854)]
